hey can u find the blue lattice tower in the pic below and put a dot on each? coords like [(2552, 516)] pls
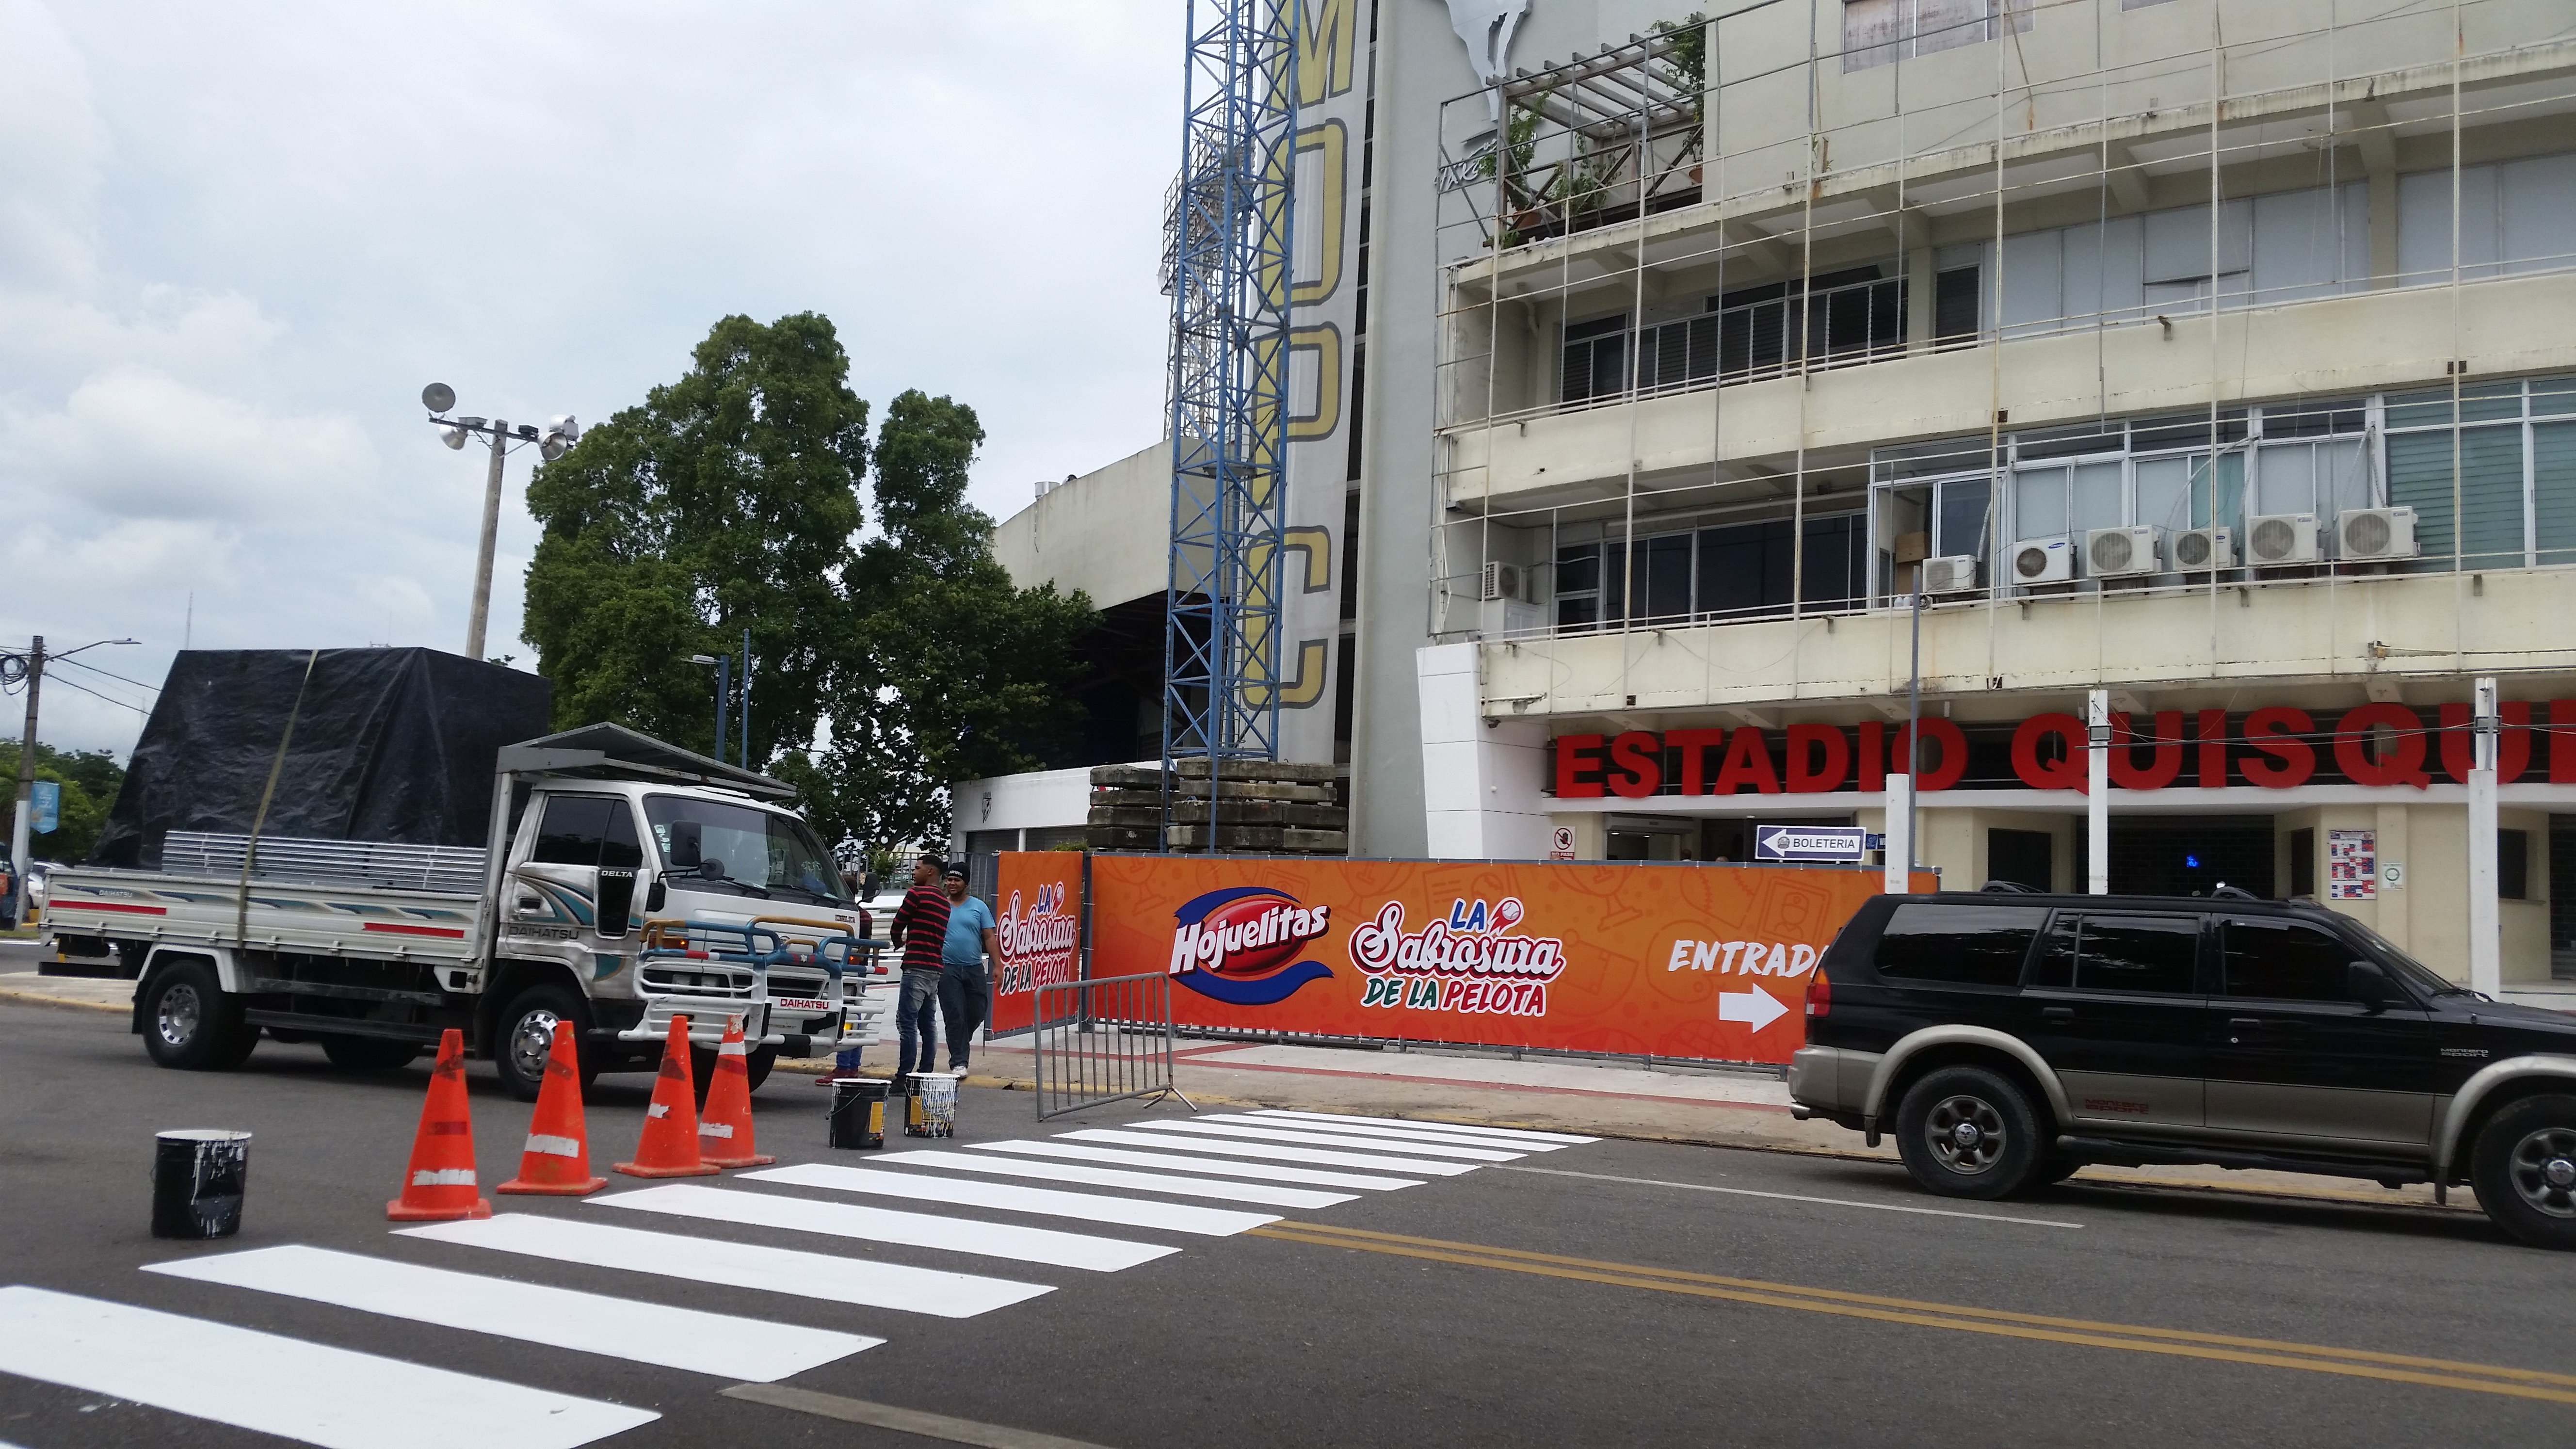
[(1229, 281)]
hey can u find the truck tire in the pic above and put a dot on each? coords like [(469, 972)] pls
[(2524, 1169), (191, 1025), (757, 1066), (525, 1037), (1968, 1132), (368, 1053)]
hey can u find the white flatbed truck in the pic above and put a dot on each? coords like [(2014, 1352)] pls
[(625, 881)]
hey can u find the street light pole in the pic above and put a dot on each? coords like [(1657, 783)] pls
[(26, 769), (474, 621), (560, 434)]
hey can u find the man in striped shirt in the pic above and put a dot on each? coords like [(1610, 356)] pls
[(921, 929)]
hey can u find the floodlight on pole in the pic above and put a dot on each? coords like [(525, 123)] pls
[(560, 434)]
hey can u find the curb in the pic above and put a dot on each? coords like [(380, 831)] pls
[(2215, 1189), (12, 993)]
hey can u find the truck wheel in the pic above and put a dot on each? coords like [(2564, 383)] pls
[(527, 1038), (190, 1024), (368, 1053), (1968, 1132), (2524, 1169), (757, 1065)]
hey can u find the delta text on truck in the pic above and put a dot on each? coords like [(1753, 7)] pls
[(618, 881)]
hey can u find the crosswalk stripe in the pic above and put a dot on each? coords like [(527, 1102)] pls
[(1267, 1152), (1130, 1212), (862, 1281), (1261, 1170), (1327, 1139), (1372, 1130), (918, 1230), (654, 1333), (334, 1397), (1510, 1133), (1162, 1182)]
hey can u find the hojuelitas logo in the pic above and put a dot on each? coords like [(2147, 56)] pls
[(1037, 944), (1467, 962), (1237, 945)]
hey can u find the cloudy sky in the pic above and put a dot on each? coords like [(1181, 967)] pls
[(234, 243)]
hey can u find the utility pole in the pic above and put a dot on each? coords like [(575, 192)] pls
[(491, 534), (26, 768)]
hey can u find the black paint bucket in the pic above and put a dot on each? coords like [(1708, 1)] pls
[(198, 1176), (858, 1113)]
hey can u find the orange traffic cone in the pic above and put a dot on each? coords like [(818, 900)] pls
[(439, 1183), (670, 1144), (557, 1158), (727, 1127)]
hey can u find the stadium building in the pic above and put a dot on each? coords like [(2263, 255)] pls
[(1681, 406)]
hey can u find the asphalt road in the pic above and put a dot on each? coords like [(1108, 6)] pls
[(1593, 1293)]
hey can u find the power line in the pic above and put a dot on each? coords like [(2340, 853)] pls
[(94, 694), (94, 669)]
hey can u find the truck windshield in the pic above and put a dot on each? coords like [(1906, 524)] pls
[(734, 847)]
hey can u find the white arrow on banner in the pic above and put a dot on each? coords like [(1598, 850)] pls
[(1756, 1008)]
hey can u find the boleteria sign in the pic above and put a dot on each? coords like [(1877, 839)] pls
[(1708, 962)]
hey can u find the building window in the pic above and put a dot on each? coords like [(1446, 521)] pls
[(1880, 32), (2513, 865), (1596, 356), (1723, 572)]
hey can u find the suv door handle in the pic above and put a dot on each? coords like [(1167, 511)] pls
[(2245, 1021), (2057, 1015)]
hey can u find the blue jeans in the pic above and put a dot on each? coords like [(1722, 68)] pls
[(916, 1023)]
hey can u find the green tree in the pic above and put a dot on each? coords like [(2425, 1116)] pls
[(957, 673), (728, 500), (90, 780)]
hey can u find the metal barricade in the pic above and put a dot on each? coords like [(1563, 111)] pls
[(1104, 1041)]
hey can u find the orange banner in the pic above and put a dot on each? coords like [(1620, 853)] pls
[(1037, 914), (1703, 961)]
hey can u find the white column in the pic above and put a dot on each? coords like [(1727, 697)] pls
[(1482, 782), (1900, 836), (2097, 799), (2486, 941)]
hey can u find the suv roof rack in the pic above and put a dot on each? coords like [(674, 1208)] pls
[(2225, 892), (2010, 887)]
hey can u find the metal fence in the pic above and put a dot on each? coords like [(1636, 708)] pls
[(1104, 1041)]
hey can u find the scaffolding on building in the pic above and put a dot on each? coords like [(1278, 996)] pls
[(1228, 271), (1675, 261)]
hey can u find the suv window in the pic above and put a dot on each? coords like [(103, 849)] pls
[(2285, 961), (1967, 945), (588, 830), (2090, 951)]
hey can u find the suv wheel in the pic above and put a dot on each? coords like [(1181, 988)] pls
[(1968, 1132), (2524, 1169)]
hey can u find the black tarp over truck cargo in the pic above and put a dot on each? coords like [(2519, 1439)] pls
[(389, 744)]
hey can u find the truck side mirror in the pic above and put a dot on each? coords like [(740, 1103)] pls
[(2370, 986), (687, 840), (656, 896)]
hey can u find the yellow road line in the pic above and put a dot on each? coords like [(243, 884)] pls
[(2272, 1353)]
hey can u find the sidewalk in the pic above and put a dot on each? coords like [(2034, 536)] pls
[(1744, 1108)]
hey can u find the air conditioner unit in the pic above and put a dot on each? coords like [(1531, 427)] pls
[(2280, 538), (2199, 550), (1502, 581), (2124, 552), (2043, 561), (2374, 533), (1952, 574)]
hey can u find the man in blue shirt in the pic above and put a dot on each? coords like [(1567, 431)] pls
[(965, 994)]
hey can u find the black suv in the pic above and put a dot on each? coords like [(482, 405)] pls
[(2008, 1039)]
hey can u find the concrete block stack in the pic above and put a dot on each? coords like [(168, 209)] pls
[(1261, 807)]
